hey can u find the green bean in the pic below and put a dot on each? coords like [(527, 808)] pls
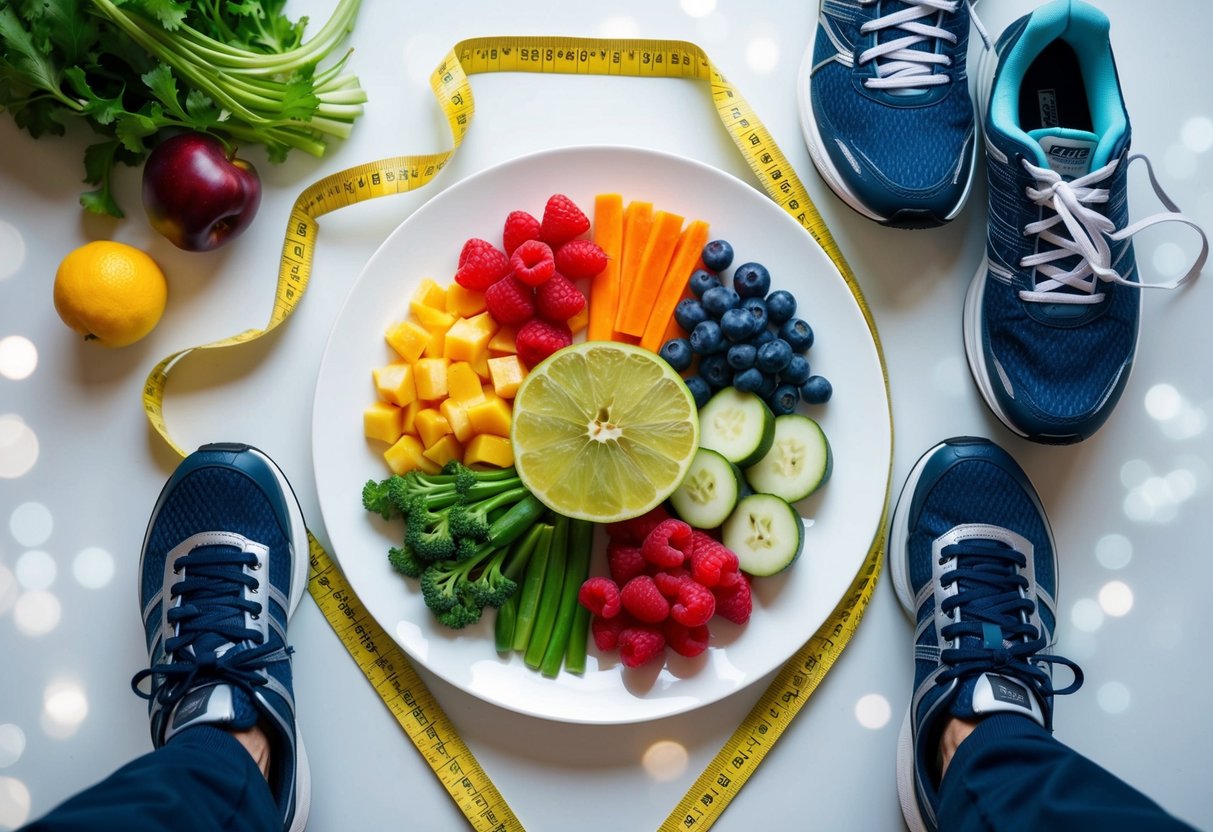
[(532, 584), (581, 537), (549, 595)]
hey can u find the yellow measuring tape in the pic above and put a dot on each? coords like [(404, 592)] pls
[(375, 653)]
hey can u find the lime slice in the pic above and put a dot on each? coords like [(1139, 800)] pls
[(603, 431)]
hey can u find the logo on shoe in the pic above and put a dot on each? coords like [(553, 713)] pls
[(1009, 692), (1050, 115)]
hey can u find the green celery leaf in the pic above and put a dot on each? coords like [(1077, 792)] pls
[(133, 128), (26, 56), (163, 85), (298, 100), (98, 166), (72, 30), (201, 108), (103, 110), (40, 116), (169, 13)]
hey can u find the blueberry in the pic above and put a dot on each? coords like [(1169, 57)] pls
[(716, 371), (767, 388), (718, 255), (751, 280), (700, 281), (761, 337), (718, 300), (797, 333), (781, 306), (797, 372), (706, 338), (748, 381), (689, 312), (757, 307), (784, 399), (677, 353), (737, 324), (700, 390), (773, 356), (817, 390), (742, 356)]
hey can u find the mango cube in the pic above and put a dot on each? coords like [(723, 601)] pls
[(408, 416), (429, 293), (489, 450), (464, 302), (429, 375), (457, 417), (469, 337), (463, 383), (444, 450), (437, 341), (580, 321), (409, 340), (383, 421), (408, 455), (433, 320), (507, 372), (481, 365), (431, 426), (491, 416), (503, 342), (395, 383)]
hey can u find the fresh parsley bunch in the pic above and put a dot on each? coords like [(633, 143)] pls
[(236, 68)]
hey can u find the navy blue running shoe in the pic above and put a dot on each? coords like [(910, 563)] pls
[(1051, 317), (885, 107), (224, 565), (973, 563)]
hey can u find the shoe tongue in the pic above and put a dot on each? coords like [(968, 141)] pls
[(217, 704), (992, 693), (210, 642), (1068, 153)]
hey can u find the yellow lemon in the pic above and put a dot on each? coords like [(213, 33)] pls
[(603, 431), (110, 292)]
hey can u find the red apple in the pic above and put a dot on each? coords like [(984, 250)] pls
[(197, 193)]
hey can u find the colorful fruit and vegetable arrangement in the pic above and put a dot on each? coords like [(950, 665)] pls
[(672, 425)]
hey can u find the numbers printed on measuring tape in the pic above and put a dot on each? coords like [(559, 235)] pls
[(375, 653)]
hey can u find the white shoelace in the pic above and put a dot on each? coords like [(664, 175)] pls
[(1090, 233), (899, 65)]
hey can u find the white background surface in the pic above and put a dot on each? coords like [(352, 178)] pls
[(1129, 507)]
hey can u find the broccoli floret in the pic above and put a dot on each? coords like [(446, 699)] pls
[(460, 616), (457, 590), (379, 497), (492, 588), (442, 584), (428, 533), (405, 561)]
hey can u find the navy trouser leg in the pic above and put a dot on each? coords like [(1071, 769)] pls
[(1011, 774), (201, 781)]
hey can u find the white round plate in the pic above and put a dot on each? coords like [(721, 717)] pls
[(842, 517)]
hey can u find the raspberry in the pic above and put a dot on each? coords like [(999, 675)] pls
[(670, 581), (695, 604), (533, 263), (519, 227), (558, 299), (606, 630), (667, 543), (562, 221), (510, 301), (684, 640), (735, 603), (580, 258), (624, 561), (711, 560), (537, 339), (642, 599), (640, 645), (638, 528), (480, 265), (600, 596)]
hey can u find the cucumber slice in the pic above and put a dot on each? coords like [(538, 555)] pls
[(738, 425), (765, 532), (709, 491), (797, 464)]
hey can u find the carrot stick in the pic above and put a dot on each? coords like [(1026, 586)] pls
[(604, 287), (658, 250), (674, 283), (637, 220)]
